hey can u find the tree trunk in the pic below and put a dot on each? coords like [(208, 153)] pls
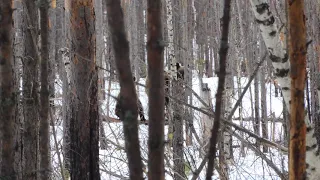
[(264, 120), (297, 51), (18, 54), (84, 124), (140, 38), (100, 62), (178, 142), (109, 54), (127, 100), (7, 95), (189, 63), (60, 57), (44, 138), (171, 60), (256, 125), (30, 91), (206, 121), (279, 58), (223, 51), (155, 91), (170, 48)]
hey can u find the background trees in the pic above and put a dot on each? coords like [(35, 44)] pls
[(86, 55)]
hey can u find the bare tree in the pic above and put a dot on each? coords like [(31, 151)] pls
[(219, 101), (297, 55), (127, 100), (155, 91), (7, 96)]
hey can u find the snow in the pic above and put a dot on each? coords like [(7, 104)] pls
[(250, 166)]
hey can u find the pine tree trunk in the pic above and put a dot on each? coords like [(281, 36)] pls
[(156, 91), (297, 51), (84, 124)]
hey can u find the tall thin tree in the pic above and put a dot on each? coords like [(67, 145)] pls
[(155, 91), (128, 98), (223, 51), (44, 139), (297, 54), (7, 97)]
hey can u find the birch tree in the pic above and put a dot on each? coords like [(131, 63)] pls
[(280, 62)]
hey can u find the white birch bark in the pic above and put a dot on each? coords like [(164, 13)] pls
[(280, 62), (227, 109)]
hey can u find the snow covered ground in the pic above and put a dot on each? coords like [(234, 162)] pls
[(251, 166)]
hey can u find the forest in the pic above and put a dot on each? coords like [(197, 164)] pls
[(159, 89)]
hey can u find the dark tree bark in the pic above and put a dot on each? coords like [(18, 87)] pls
[(127, 98), (155, 91), (44, 138), (219, 101), (30, 91), (7, 97), (84, 124), (297, 55)]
